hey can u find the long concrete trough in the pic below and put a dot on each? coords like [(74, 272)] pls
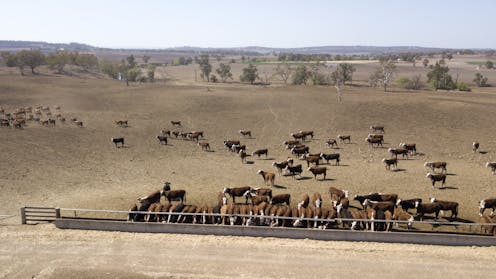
[(293, 233)]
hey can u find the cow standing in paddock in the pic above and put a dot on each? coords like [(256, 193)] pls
[(116, 141)]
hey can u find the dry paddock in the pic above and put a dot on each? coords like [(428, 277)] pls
[(70, 167)]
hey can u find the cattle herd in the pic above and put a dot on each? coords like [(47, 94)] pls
[(20, 117), (259, 207)]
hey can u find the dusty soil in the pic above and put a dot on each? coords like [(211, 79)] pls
[(45, 252), (72, 167)]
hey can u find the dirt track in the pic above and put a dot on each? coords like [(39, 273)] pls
[(45, 252)]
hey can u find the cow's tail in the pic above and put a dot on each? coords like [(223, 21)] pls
[(185, 197)]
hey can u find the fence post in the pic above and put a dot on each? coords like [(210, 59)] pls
[(23, 215), (57, 212)]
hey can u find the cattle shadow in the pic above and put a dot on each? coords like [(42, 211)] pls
[(398, 170), (209, 150), (326, 179), (250, 162), (304, 178), (124, 146), (280, 186), (451, 174), (270, 158), (448, 188), (483, 152), (341, 165), (419, 154)]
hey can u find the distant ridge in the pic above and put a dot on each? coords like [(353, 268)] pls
[(6, 45)]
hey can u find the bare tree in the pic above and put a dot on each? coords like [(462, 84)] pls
[(337, 85), (383, 74), (284, 72)]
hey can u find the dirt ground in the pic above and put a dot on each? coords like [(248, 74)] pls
[(72, 167), (43, 251)]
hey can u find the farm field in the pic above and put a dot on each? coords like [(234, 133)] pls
[(66, 166)]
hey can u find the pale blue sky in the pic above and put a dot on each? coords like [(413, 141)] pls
[(161, 24)]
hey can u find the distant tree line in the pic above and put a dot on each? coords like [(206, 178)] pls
[(32, 59)]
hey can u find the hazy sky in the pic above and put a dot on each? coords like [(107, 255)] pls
[(271, 23)]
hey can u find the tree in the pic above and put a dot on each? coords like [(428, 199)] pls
[(415, 83), (58, 60), (489, 64), (205, 66), (31, 58), (146, 58), (110, 68), (439, 77), (480, 80), (344, 72), (132, 74), (131, 63), (86, 61), (250, 74), (150, 73), (284, 72), (383, 74), (425, 62), (12, 60), (224, 72), (301, 75)]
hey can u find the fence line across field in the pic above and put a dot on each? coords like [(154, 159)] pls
[(275, 217)]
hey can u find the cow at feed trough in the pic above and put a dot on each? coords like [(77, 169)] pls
[(204, 145), (116, 141), (262, 192), (268, 177), (162, 139), (403, 216), (330, 157), (447, 205), (407, 204), (492, 166), (317, 200), (436, 165), (174, 195), (475, 146), (487, 225), (435, 177), (237, 192), (254, 198), (344, 138), (379, 205), (294, 170), (260, 152), (390, 162), (318, 170), (428, 208), (245, 133), (176, 123), (485, 204), (398, 151), (411, 147), (154, 208), (280, 199), (373, 197), (337, 194), (377, 128)]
